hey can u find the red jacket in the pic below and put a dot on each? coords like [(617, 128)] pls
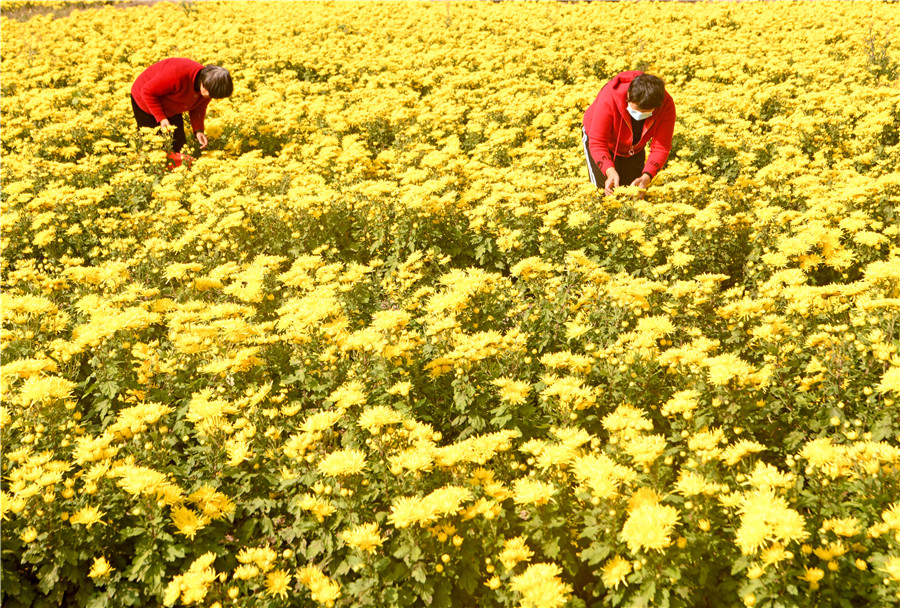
[(608, 127), (166, 89)]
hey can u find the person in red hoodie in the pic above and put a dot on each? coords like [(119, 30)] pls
[(630, 110), (172, 86)]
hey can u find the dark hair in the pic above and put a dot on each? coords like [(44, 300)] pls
[(647, 91), (217, 81)]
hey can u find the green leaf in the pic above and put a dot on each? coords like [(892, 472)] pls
[(48, 576), (418, 573), (342, 569), (131, 532), (415, 553), (596, 553), (108, 389), (137, 564), (314, 548), (442, 596), (397, 571), (173, 552), (401, 552), (98, 600), (468, 580), (551, 548), (390, 596)]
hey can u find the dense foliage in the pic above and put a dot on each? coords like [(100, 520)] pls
[(384, 345)]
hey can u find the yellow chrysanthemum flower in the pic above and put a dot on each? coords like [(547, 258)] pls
[(615, 571), (541, 586), (365, 537), (649, 527), (100, 568), (343, 462)]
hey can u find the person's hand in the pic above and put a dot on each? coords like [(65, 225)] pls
[(642, 182), (612, 181), (201, 137), (165, 124)]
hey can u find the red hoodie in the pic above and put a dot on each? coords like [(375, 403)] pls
[(608, 127), (166, 88)]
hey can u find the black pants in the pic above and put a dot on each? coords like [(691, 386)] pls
[(146, 120), (629, 168)]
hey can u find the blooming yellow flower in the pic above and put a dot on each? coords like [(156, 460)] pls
[(319, 507), (321, 588), (343, 462), (649, 527), (277, 583), (532, 491), (100, 568), (682, 402), (541, 586), (209, 413), (373, 418), (892, 568), (348, 395), (87, 516), (193, 585), (627, 421), (45, 389), (514, 551), (187, 521), (213, 504), (813, 576), (238, 451), (245, 572), (765, 476), (512, 391), (847, 526), (736, 452), (614, 571), (645, 449), (365, 537), (409, 510), (693, 484), (755, 571), (766, 516), (890, 381), (262, 557)]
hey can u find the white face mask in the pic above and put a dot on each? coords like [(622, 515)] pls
[(639, 115)]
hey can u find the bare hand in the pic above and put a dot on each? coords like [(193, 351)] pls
[(642, 182), (165, 124), (612, 181), (201, 137)]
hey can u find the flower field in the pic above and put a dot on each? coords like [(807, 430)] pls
[(385, 345)]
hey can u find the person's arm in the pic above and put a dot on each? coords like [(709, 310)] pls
[(662, 141), (599, 136), (601, 146), (198, 115), (153, 91)]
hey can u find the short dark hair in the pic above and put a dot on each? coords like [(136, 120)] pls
[(647, 91), (217, 81)]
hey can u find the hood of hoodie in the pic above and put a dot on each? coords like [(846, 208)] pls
[(615, 92)]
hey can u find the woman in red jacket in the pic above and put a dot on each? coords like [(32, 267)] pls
[(172, 86), (630, 110)]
